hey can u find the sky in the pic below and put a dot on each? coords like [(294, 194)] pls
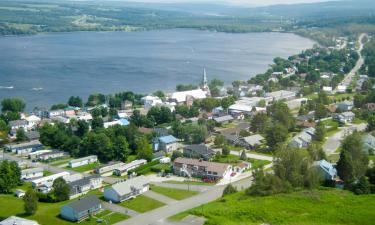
[(234, 2)]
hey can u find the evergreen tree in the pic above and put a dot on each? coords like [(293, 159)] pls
[(320, 132), (345, 168), (243, 155), (61, 189), (225, 151), (21, 135), (30, 202)]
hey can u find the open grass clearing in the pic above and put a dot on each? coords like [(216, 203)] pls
[(84, 168), (142, 204), (176, 194)]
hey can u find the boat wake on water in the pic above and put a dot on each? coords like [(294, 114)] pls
[(37, 89), (6, 87)]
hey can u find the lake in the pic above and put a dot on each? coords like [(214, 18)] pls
[(47, 69)]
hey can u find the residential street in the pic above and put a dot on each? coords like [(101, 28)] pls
[(254, 156), (333, 142)]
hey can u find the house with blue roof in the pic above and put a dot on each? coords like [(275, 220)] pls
[(166, 143), (326, 169)]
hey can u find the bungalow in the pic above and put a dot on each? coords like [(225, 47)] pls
[(368, 143), (303, 139), (345, 117), (281, 95), (224, 119), (15, 220), (18, 124), (44, 184), (253, 141), (31, 173), (81, 209), (326, 169), (345, 105), (166, 143), (24, 148), (242, 167), (54, 154), (110, 167), (123, 170), (128, 189), (84, 185), (198, 151), (33, 121), (83, 161), (202, 169), (151, 101)]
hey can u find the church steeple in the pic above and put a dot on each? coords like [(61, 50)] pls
[(204, 85)]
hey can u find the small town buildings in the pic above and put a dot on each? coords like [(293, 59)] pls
[(126, 190), (83, 161), (151, 101), (109, 168), (202, 169), (84, 116), (253, 141), (303, 139), (33, 121), (54, 154), (242, 167), (345, 105), (166, 143), (81, 209), (24, 148), (341, 88), (18, 124), (19, 193), (84, 185), (15, 220), (31, 173), (54, 113), (326, 169), (327, 89), (123, 170), (281, 95), (121, 122), (345, 117), (188, 96), (368, 143), (34, 155), (165, 160), (224, 119), (44, 184), (198, 151)]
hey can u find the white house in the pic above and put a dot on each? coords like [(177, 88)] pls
[(24, 148), (165, 160), (129, 166), (303, 139), (31, 173), (33, 121), (54, 113), (84, 185), (341, 88), (83, 161), (109, 167), (121, 122), (34, 155), (182, 96), (54, 154), (18, 124), (126, 190), (44, 184), (346, 117), (14, 220), (327, 89), (151, 101), (281, 95)]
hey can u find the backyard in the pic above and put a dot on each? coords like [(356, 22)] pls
[(176, 194), (142, 204)]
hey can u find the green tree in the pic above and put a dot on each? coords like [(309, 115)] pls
[(371, 123), (175, 155), (316, 151), (227, 101), (243, 156), (280, 112), (98, 144), (10, 176), (75, 101), (320, 132), (144, 149), (61, 189), (320, 111), (276, 134), (12, 105), (21, 135), (362, 187), (97, 123), (229, 189), (82, 128), (120, 148), (225, 151), (345, 167), (219, 140), (30, 202), (259, 123)]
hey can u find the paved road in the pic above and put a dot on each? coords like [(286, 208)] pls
[(253, 156), (333, 142), (158, 216), (159, 197), (119, 209), (349, 77)]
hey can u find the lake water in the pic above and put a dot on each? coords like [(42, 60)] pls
[(47, 69)]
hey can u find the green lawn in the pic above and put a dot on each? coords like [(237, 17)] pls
[(48, 213), (320, 207), (188, 182), (46, 173), (233, 159), (142, 204), (257, 163), (61, 161), (173, 193), (84, 168)]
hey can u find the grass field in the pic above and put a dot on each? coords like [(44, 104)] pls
[(84, 168), (233, 159), (142, 204), (325, 206), (60, 161), (48, 213), (173, 193), (46, 173)]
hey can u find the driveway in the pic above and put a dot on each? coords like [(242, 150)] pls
[(253, 156)]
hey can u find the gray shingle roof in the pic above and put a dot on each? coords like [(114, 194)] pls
[(84, 204)]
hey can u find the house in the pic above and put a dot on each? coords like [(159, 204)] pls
[(246, 105), (345, 117), (232, 138), (198, 151), (54, 154), (83, 161), (166, 143), (31, 173), (327, 89), (123, 170), (345, 105), (303, 139), (281, 95), (341, 88), (19, 193), (15, 220), (253, 141), (24, 148), (368, 142), (84, 116), (151, 101), (242, 167), (54, 113), (187, 96), (34, 155), (223, 119), (110, 167), (326, 169), (81, 209), (128, 189), (202, 169), (121, 122), (33, 121), (18, 124), (44, 184), (84, 185)]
